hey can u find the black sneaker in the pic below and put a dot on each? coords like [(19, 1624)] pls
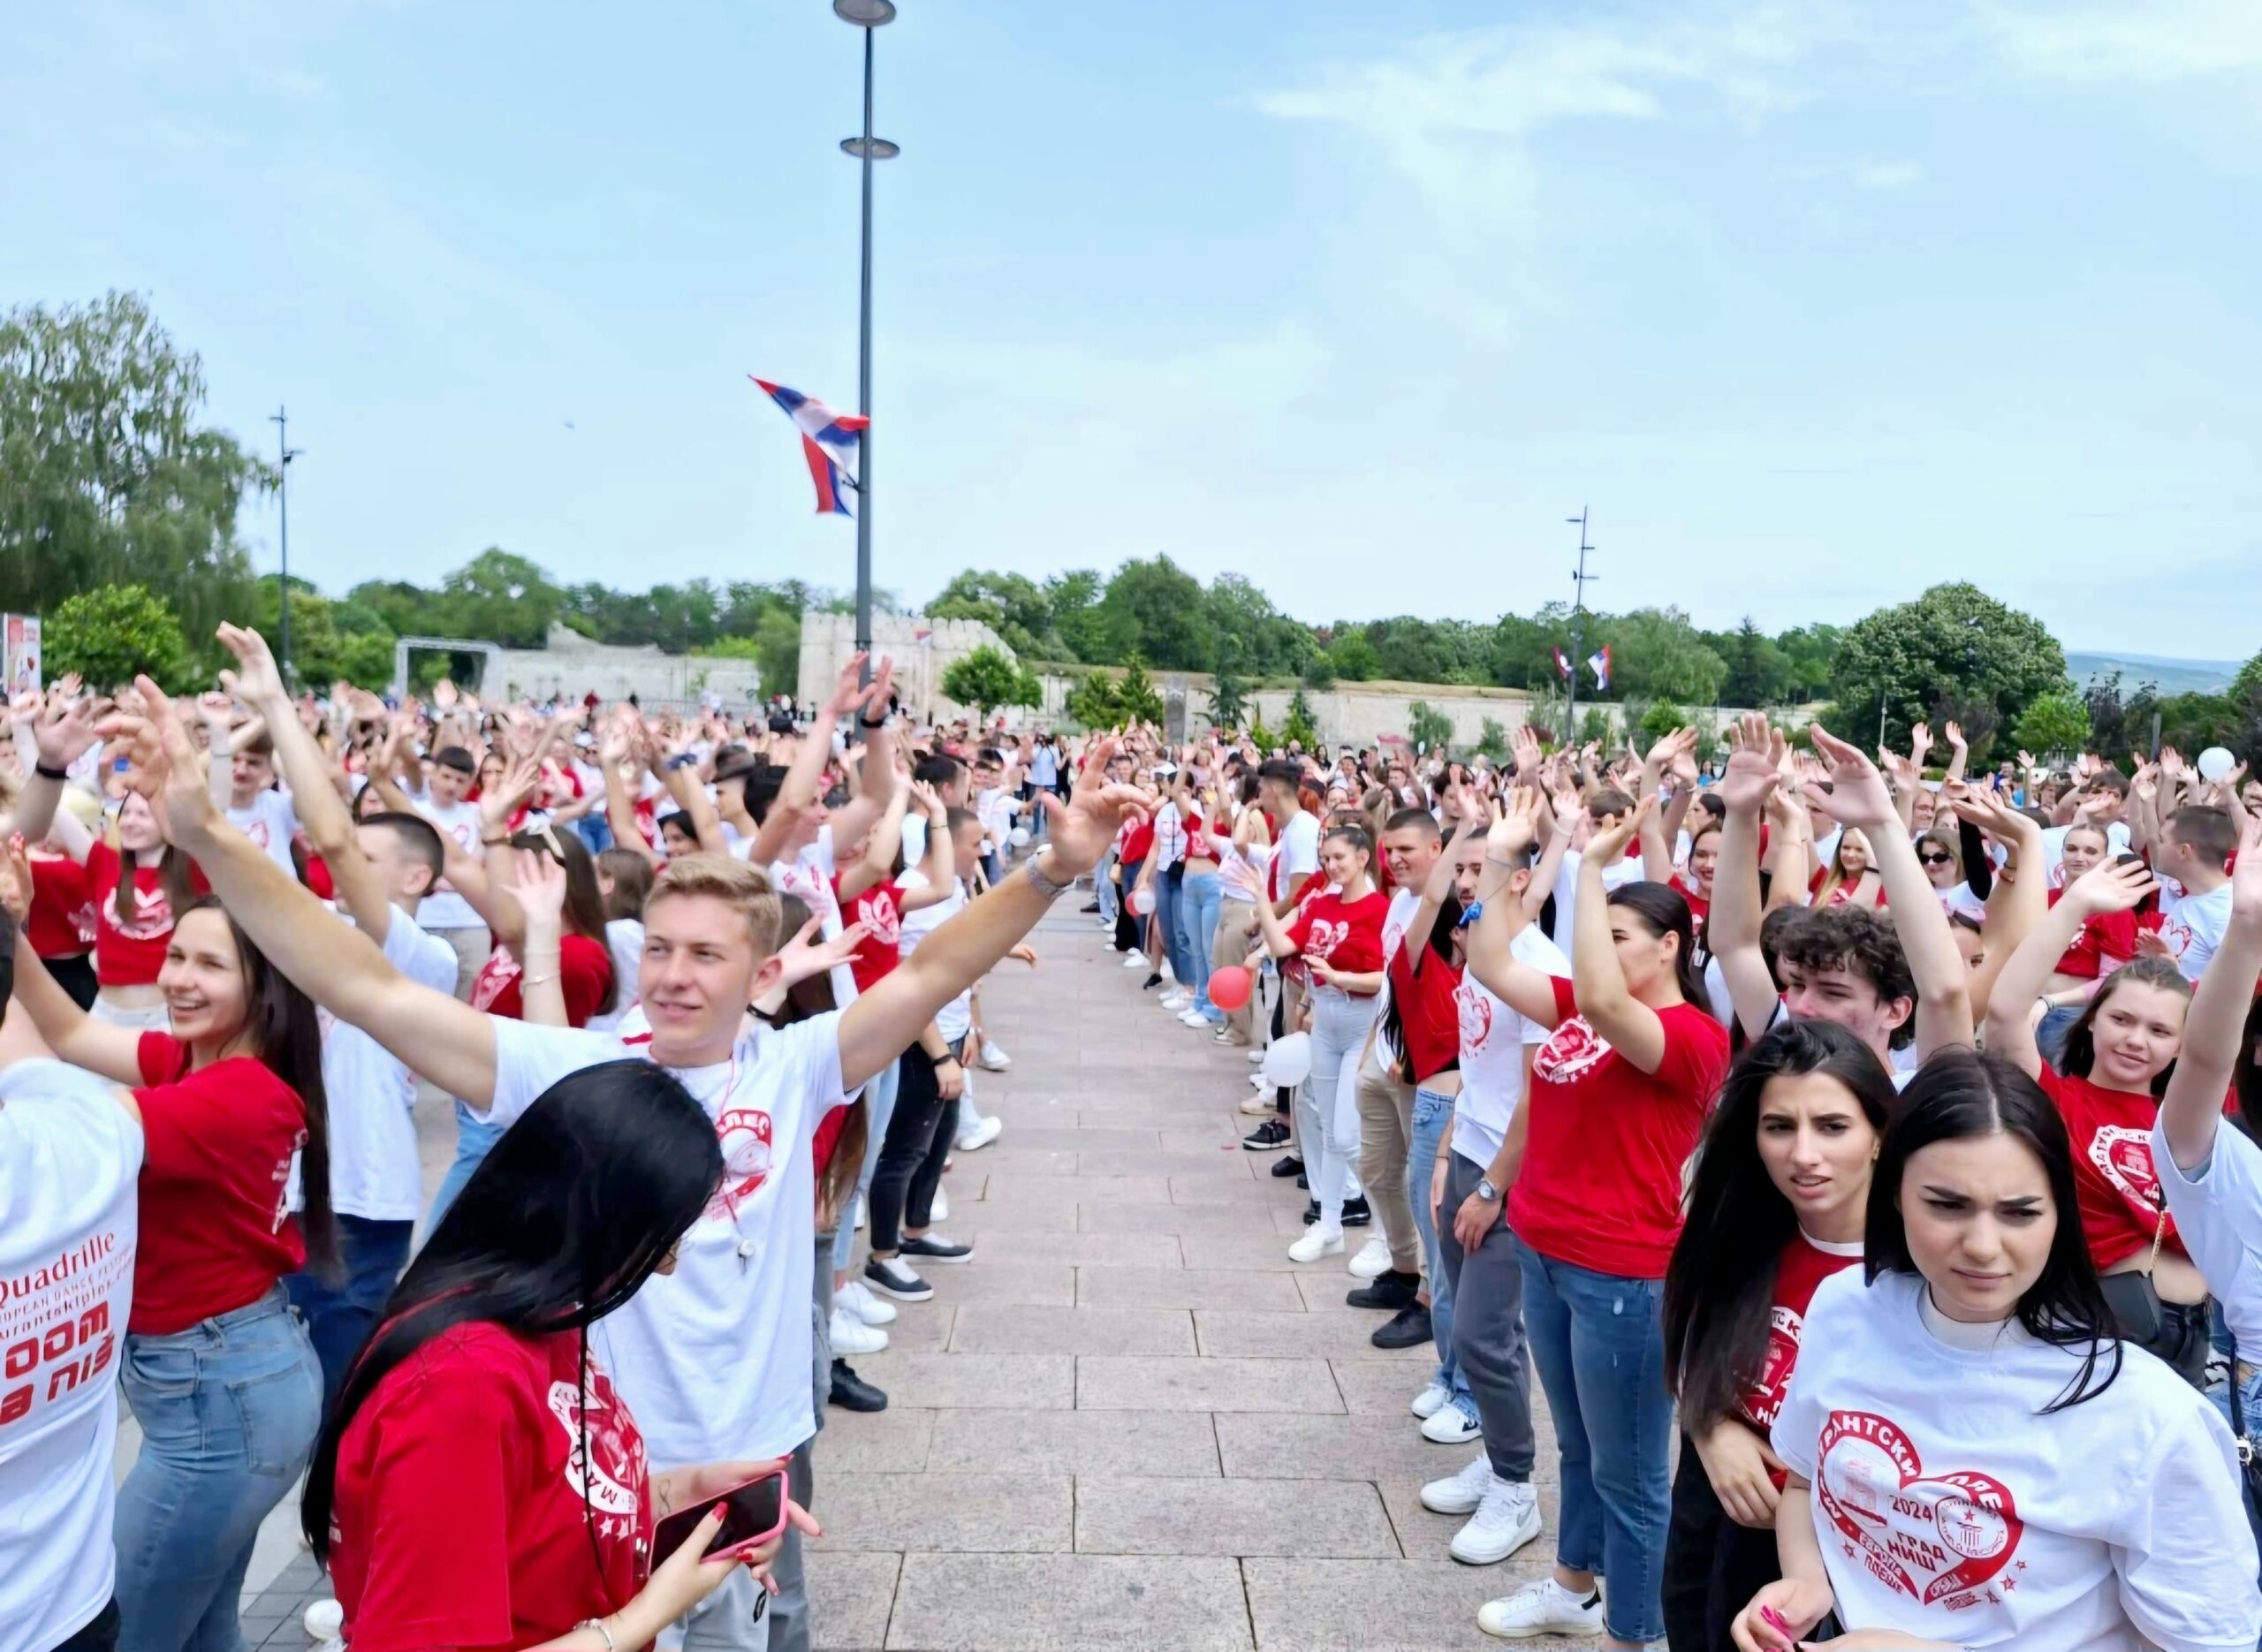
[(1392, 1291), (1268, 1136), (852, 1392), (1405, 1329), (1356, 1213), (893, 1278), (1089, 907), (934, 1247), (1151, 982), (1311, 1211), (1290, 1165), (1303, 1181)]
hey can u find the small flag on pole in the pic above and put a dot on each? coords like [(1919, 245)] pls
[(828, 441), (1598, 663), (1563, 664)]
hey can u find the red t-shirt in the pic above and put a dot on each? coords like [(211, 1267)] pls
[(1802, 1266), (1698, 905), (461, 1519), (1139, 839), (880, 908), (1600, 1186), (216, 1229), (1843, 895), (2113, 1178), (1345, 936), (2103, 934), (131, 953), (61, 923), (1428, 1011), (584, 971), (318, 878)]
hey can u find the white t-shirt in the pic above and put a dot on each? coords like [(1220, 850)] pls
[(623, 938), (270, 820), (915, 838), (2218, 1211), (955, 1018), (1961, 899), (2193, 924), (1394, 924), (444, 909), (374, 1169), (1626, 870), (1949, 1504), (713, 1359), (1494, 1039), (2053, 848), (1299, 848), (809, 875), (995, 809), (68, 1158)]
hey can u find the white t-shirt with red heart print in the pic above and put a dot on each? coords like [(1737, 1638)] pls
[(1493, 1040), (1950, 1505)]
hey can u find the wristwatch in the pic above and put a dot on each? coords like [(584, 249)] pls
[(1485, 1191)]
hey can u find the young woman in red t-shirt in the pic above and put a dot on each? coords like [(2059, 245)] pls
[(220, 1372), (479, 1484), (1339, 937), (1778, 1205), (1618, 1094), (1851, 879), (2118, 1056)]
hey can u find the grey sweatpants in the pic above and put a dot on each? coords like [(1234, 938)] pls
[(1488, 1327)]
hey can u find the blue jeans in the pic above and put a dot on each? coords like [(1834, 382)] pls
[(2250, 1399), (228, 1410), (1599, 1342), (879, 1107), (339, 1317), (475, 1136), (1433, 1115), (2050, 1037), (1199, 898), (1168, 897), (596, 833), (1104, 886)]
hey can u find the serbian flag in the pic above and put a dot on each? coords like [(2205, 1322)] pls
[(1563, 664), (828, 441), (1599, 664)]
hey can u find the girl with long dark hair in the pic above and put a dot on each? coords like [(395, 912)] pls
[(479, 1483), (1619, 1095), (220, 1372), (1778, 1204), (1974, 1458)]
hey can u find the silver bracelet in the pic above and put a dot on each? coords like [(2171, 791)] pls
[(598, 1624), (1046, 885)]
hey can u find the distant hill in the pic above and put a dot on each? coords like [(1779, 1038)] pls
[(2174, 676)]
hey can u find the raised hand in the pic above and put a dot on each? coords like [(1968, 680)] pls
[(1920, 741), (1515, 827), (166, 767), (1607, 846), (1956, 737), (504, 800), (849, 693), (539, 881), (2112, 886), (16, 880), (1756, 751), (1858, 796), (804, 958), (1081, 829), (2246, 876), (255, 681), (67, 729)]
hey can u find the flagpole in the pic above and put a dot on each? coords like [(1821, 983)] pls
[(1579, 580), (867, 15)]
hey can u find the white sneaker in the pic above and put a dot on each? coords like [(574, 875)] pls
[(1169, 973), (1257, 1079), (1176, 998), (1426, 1403), (852, 1336), (1193, 1016), (857, 1298), (994, 1059), (1544, 1607), (1317, 1242), (1504, 1521), (981, 1136), (940, 1210), (1256, 1055), (1450, 1425), (1257, 1106), (860, 1213), (323, 1619), (1134, 960), (1373, 1260), (1462, 1492)]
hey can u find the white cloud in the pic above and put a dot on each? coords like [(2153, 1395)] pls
[(2151, 44), (1886, 174)]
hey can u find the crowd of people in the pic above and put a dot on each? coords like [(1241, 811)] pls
[(1859, 1155)]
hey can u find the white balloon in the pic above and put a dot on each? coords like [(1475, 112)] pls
[(1288, 1062), (1018, 837), (2215, 763), (1142, 901)]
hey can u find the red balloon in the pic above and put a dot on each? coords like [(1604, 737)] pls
[(1229, 986)]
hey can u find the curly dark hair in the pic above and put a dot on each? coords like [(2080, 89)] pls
[(1856, 940)]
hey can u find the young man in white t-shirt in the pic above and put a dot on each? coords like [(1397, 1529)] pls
[(715, 1358), (71, 1150), (445, 912), (2191, 860), (1296, 860)]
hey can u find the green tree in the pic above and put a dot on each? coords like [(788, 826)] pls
[(111, 632), (1493, 741), (1953, 652), (1661, 720), (1160, 611), (1085, 631), (985, 679), (107, 476), (1135, 699), (1430, 730), (1229, 700), (1656, 653), (500, 598), (1092, 702), (1354, 658), (329, 641), (1759, 672), (1300, 726), (777, 651), (1011, 605), (2053, 725), (1029, 688)]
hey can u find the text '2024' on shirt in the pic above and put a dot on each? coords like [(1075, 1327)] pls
[(1951, 1503)]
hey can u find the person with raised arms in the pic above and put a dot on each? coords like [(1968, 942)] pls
[(714, 1358)]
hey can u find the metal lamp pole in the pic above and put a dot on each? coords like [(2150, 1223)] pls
[(283, 454), (866, 15), (1579, 579)]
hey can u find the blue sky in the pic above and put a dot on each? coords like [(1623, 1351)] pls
[(1815, 304)]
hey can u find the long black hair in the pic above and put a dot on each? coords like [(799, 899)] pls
[(565, 1219), (1720, 1287), (1962, 1093), (1664, 910), (2080, 1054), (284, 1030)]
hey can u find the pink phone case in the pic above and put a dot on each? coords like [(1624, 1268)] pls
[(693, 1517)]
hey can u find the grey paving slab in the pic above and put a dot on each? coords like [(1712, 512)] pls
[(1380, 1385), (1148, 1516), (992, 1278), (890, 1441), (1306, 1605), (920, 1327), (1206, 1221), (1068, 1603), (1153, 1160), (1298, 1335), (1112, 1382), (1010, 1215), (1167, 1443), (1300, 1447), (1134, 1250), (1102, 1286), (1013, 1329), (1211, 1190), (1216, 1136), (1081, 1189), (957, 1512), (1007, 1382), (1252, 1250), (851, 1596)]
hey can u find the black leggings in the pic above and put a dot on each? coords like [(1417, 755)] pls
[(920, 1134), (1712, 1565)]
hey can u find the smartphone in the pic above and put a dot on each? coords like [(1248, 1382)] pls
[(754, 1512), (2150, 902)]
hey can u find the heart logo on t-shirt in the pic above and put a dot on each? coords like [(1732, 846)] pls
[(1476, 1008), (152, 919), (882, 917), (1934, 1536), (744, 1133), (1325, 938), (2123, 1156), (1765, 1399), (1572, 1050)]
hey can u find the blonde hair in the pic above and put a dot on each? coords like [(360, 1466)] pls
[(734, 883)]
